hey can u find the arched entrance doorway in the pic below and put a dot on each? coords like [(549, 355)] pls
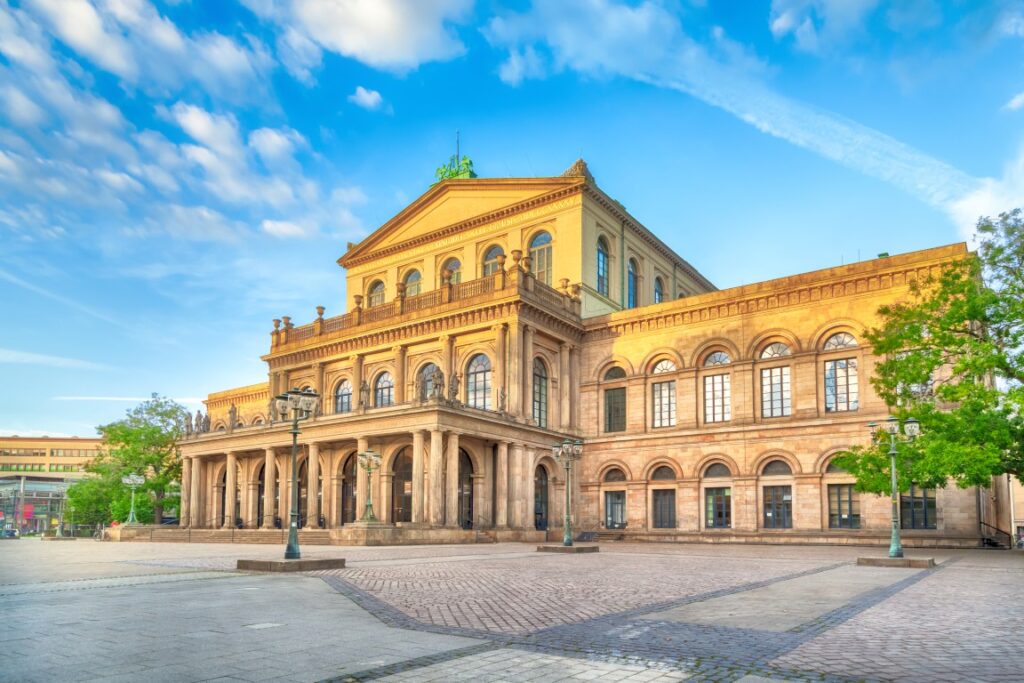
[(348, 490), (465, 490), (401, 488), (540, 498)]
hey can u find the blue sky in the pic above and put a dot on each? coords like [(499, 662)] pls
[(173, 175)]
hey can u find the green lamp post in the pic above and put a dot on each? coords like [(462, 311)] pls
[(301, 403)]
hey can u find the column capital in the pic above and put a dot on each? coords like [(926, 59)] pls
[(398, 348), (499, 327)]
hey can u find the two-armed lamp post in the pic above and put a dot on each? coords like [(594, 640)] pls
[(301, 403), (566, 453), (369, 461), (911, 430), (133, 481)]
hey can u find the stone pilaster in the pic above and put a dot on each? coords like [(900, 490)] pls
[(527, 372), (230, 489), (185, 505), (418, 492), (313, 487), (451, 517), (436, 479), (269, 476), (501, 487), (564, 387)]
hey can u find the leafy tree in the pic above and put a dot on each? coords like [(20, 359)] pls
[(954, 359), (89, 501)]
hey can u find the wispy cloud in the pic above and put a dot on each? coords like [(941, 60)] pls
[(367, 99), (71, 303), (126, 399), (1015, 103), (35, 433), (27, 358)]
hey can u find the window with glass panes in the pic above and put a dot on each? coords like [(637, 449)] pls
[(540, 393), (376, 294), (841, 391), (718, 507), (478, 382), (775, 392), (717, 399), (615, 410), (664, 404), (778, 507), (343, 397), (491, 265), (540, 256), (412, 283), (917, 508), (383, 390), (602, 267), (632, 284), (843, 507)]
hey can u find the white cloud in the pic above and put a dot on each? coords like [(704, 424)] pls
[(11, 356), (21, 110), (819, 24), (367, 99), (78, 24), (1015, 103), (276, 147), (283, 229), (299, 54), (521, 65), (594, 37)]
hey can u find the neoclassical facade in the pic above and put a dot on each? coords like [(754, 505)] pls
[(492, 318)]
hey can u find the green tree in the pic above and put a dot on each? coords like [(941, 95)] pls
[(954, 359)]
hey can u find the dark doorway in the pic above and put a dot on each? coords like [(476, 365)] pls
[(540, 498), (465, 490), (664, 502), (401, 488), (348, 490), (615, 509)]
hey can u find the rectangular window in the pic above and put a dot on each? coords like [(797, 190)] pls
[(343, 402), (664, 403), (778, 507), (841, 391), (718, 508), (540, 400), (843, 507), (917, 508), (385, 395), (615, 410), (664, 502), (717, 399), (775, 392), (615, 509)]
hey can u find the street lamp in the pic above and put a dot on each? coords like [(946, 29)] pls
[(132, 481), (911, 430), (565, 454), (369, 461), (302, 403)]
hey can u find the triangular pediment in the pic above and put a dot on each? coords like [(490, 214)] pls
[(450, 203)]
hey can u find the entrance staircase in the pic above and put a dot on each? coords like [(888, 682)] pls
[(483, 536)]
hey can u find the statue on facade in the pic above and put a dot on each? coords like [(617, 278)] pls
[(437, 383), (419, 388), (233, 416), (188, 425), (502, 400), (364, 394), (206, 422), (198, 422), (453, 387), (272, 410)]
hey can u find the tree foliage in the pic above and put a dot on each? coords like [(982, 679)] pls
[(144, 442), (954, 359)]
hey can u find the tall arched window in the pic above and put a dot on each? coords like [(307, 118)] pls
[(540, 255), (540, 393), (478, 382), (455, 266), (776, 396), (602, 266), (632, 283), (615, 402), (375, 295), (412, 283), (383, 390), (491, 265), (842, 392), (426, 381), (659, 290), (343, 397), (663, 396)]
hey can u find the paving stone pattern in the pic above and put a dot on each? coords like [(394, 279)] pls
[(178, 612)]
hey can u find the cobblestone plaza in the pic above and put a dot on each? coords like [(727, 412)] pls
[(503, 612)]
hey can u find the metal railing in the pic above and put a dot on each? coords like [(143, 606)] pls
[(995, 537)]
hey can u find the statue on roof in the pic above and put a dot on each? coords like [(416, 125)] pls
[(455, 168), (578, 170)]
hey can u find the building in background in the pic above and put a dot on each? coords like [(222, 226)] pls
[(492, 318), (34, 475)]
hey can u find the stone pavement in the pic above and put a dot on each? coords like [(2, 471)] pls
[(178, 612)]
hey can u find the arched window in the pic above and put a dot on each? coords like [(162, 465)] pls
[(412, 283), (663, 397), (614, 474), (258, 420), (491, 265), (375, 295), (664, 473), (540, 393), (478, 382), (834, 469), (383, 390), (840, 340), (632, 284), (716, 469), (614, 372), (775, 350), (426, 382), (659, 290), (343, 397), (455, 267), (777, 468), (540, 255), (663, 366), (602, 267), (717, 358)]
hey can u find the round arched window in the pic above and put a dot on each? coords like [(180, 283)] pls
[(455, 267), (478, 382), (840, 340), (412, 283), (375, 295), (717, 470), (663, 473), (663, 366), (614, 373), (540, 256), (777, 468), (775, 350), (491, 265), (602, 266), (383, 390), (717, 358), (614, 474)]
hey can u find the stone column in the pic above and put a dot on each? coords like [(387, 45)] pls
[(500, 366), (269, 475), (451, 518), (400, 392), (417, 477), (357, 379), (313, 489), (575, 380), (564, 387), (515, 364), (252, 505), (501, 487), (516, 488), (195, 494), (436, 479), (185, 505), (362, 444), (527, 372), (529, 487), (284, 495), (230, 489), (446, 358)]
